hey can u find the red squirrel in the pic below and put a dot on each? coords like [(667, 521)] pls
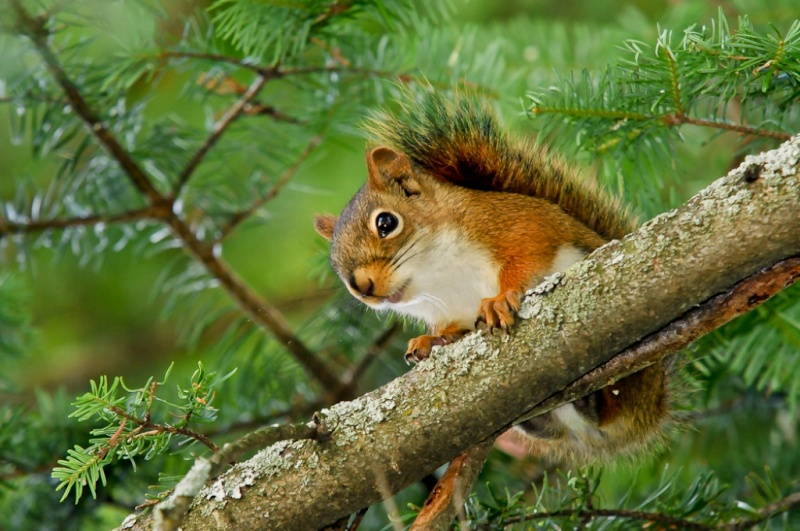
[(455, 222)]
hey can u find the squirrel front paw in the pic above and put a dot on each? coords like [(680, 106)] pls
[(420, 347), (499, 311)]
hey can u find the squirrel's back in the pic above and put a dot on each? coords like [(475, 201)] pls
[(460, 142)]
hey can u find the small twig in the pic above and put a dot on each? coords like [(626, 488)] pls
[(219, 128), (239, 217), (38, 225), (357, 520), (351, 378), (162, 428), (274, 72), (790, 502), (671, 522), (230, 452), (259, 109), (678, 119)]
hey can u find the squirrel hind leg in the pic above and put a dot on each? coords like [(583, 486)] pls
[(419, 348), (499, 311)]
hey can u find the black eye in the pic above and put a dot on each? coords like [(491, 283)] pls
[(386, 224)]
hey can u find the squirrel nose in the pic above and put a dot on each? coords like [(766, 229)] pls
[(361, 283)]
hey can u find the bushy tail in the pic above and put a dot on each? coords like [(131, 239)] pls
[(459, 141)]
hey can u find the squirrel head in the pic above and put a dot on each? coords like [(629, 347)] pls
[(377, 240)]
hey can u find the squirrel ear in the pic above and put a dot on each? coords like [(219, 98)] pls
[(387, 167), (324, 225)]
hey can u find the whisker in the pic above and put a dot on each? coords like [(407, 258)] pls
[(396, 266), (435, 301), (393, 264)]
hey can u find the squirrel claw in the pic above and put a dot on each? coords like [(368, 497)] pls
[(420, 348), (499, 311)]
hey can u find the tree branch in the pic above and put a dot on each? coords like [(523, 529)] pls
[(238, 217), (37, 225), (35, 29), (710, 315), (577, 321), (219, 128), (789, 503), (263, 313), (257, 308), (671, 522)]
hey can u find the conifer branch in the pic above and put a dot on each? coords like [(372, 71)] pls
[(146, 428), (265, 314), (219, 129), (651, 518), (240, 216), (8, 227), (35, 29), (789, 503)]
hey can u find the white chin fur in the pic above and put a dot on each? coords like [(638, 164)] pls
[(449, 278)]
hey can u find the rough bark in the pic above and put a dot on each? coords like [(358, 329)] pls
[(393, 436)]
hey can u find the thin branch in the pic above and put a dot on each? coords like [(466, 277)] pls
[(790, 502), (351, 378), (145, 424), (219, 128), (259, 109), (257, 308), (273, 72), (216, 58), (34, 28), (672, 120), (239, 217), (8, 227), (263, 437), (678, 119), (671, 522)]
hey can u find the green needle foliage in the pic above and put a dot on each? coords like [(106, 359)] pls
[(710, 76), (128, 429), (180, 149)]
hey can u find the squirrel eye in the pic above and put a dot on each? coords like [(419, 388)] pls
[(386, 224)]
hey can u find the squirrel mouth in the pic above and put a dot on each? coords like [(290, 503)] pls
[(397, 296)]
